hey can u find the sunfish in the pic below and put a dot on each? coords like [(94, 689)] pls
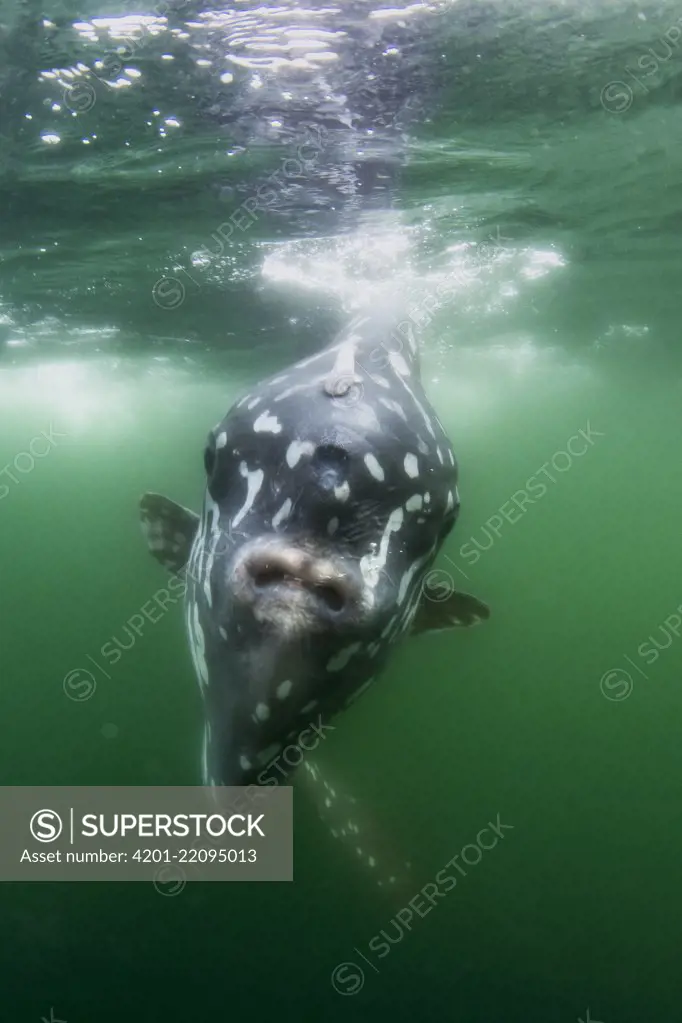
[(330, 488)]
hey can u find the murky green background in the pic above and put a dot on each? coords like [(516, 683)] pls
[(541, 203)]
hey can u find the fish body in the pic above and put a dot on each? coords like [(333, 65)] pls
[(330, 488)]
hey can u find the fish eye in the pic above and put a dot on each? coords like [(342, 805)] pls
[(209, 455), (331, 456), (329, 464)]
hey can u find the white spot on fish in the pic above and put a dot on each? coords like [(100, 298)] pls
[(209, 566), (450, 502), (254, 481), (282, 514), (342, 493), (423, 446), (440, 455), (374, 467), (327, 802), (252, 404), (407, 577), (311, 358), (211, 513), (221, 440), (413, 503), (332, 526), (296, 450), (344, 365), (411, 465), (393, 406), (198, 646), (451, 456), (425, 416), (308, 706), (307, 385), (371, 565), (262, 711), (222, 632), (245, 763), (427, 498), (372, 862), (267, 424), (399, 364), (283, 689), (340, 660), (411, 339)]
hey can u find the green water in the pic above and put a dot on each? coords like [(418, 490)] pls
[(547, 226)]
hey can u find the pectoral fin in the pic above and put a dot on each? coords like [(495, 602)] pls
[(169, 530), (441, 607)]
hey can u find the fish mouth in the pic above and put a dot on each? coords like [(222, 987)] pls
[(329, 592), (267, 575)]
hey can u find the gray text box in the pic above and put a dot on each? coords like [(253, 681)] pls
[(140, 833)]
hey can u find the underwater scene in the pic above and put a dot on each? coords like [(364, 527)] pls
[(340, 425)]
